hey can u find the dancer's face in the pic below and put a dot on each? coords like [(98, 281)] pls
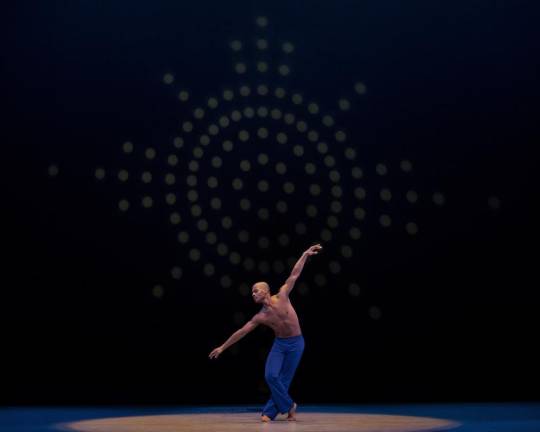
[(259, 291)]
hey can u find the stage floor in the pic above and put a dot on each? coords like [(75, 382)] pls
[(511, 417)]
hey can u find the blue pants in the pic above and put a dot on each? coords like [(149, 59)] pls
[(280, 367)]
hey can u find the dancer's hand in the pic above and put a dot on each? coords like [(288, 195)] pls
[(216, 352), (313, 250)]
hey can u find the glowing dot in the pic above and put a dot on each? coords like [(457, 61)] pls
[(204, 140), (127, 147), (283, 240), (406, 165), (228, 146), (334, 176), (326, 235), (381, 169), (439, 199), (228, 95), (237, 184), (412, 196), (123, 205), (322, 147), (289, 118), (157, 291), (329, 161), (313, 108), (262, 66), (298, 150), (360, 193), (211, 238), (344, 104), (236, 45), (243, 236), (235, 258), (346, 251), (212, 182), (198, 113), (123, 175), (360, 88), (262, 90), (311, 211), (263, 242), (150, 153), (187, 126), (170, 198), (300, 228), (411, 228), (288, 187), (284, 70), (196, 210), (176, 272), (225, 282), (340, 136), (262, 44), (243, 135), (263, 158), (198, 152), (249, 264), (350, 153), (281, 138), (226, 222), (192, 195), (202, 225), (240, 68), (194, 254), (236, 115), (332, 222), (52, 170), (172, 160), (175, 218), (245, 204), (337, 191), (281, 168), (245, 91), (385, 221), (385, 195), (262, 21), (100, 173), (320, 280), (354, 290), (328, 121), (335, 267), (263, 214), (209, 269), (315, 189), (222, 249), (355, 233), (287, 47), (262, 133), (212, 103), (170, 179), (262, 112), (494, 203), (301, 126), (313, 136), (263, 186), (336, 206), (215, 203), (213, 129), (297, 99), (146, 177), (147, 202), (357, 173), (245, 165), (359, 213), (374, 313), (217, 162), (178, 142), (191, 180), (280, 93), (249, 112), (281, 206), (310, 168), (183, 237), (276, 114), (183, 96), (168, 78)]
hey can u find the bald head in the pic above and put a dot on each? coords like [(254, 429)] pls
[(259, 291)]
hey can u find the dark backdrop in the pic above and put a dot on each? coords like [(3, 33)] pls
[(426, 288)]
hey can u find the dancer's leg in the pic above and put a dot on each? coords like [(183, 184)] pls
[(280, 401)]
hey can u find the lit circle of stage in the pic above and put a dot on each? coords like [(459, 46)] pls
[(239, 422)]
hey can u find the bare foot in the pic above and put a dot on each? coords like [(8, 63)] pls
[(292, 413), (265, 418)]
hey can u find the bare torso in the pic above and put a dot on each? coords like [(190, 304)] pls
[(280, 316)]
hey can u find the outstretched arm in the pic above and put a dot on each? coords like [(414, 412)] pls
[(235, 337), (297, 269)]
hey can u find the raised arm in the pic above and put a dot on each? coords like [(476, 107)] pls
[(297, 269), (235, 337)]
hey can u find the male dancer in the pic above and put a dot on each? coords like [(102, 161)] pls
[(277, 313)]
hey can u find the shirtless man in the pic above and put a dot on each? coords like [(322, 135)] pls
[(277, 313)]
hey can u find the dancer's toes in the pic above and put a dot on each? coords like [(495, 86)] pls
[(265, 418), (292, 413)]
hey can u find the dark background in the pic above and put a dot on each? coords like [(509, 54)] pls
[(448, 314)]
